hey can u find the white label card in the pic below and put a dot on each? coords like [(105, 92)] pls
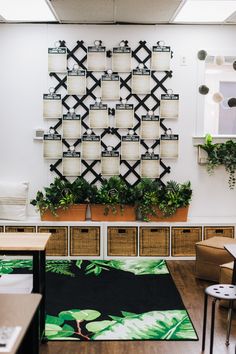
[(150, 127), (169, 106), (91, 147), (96, 58), (52, 106), (150, 166), (130, 148), (71, 127), (110, 163), (110, 86), (141, 82), (98, 116), (169, 146), (57, 60), (160, 60), (52, 146), (76, 82), (121, 59), (124, 116), (71, 164)]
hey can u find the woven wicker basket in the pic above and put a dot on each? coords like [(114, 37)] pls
[(58, 242), (1, 229), (84, 241), (225, 231), (122, 241), (154, 241), (184, 239), (20, 229)]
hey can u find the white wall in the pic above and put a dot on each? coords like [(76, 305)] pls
[(24, 79)]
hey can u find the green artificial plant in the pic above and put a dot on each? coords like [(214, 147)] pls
[(221, 154), (62, 194)]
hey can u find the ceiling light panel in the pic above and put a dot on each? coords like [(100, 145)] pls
[(205, 11), (26, 11)]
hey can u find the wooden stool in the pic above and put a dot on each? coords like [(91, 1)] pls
[(218, 292)]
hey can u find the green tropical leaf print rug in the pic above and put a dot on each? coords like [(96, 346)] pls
[(110, 300)]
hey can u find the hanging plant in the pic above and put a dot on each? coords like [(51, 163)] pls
[(221, 154)]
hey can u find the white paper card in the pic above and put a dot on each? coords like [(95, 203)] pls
[(150, 127), (98, 116), (169, 106), (169, 146), (91, 148), (150, 167), (110, 86), (76, 82), (110, 164), (121, 59), (96, 58), (124, 116), (52, 106), (160, 60), (71, 164), (8, 337), (141, 82), (57, 60), (71, 127), (130, 148), (52, 146)]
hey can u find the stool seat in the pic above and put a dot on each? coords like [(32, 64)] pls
[(222, 291)]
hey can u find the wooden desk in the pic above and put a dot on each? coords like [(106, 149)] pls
[(231, 248), (21, 310), (30, 244)]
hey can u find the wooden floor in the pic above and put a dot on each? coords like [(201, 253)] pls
[(192, 292)]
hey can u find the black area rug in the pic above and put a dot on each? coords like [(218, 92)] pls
[(111, 300)]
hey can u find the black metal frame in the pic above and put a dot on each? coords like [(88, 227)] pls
[(39, 260), (141, 102)]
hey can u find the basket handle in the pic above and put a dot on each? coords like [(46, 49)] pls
[(219, 231)]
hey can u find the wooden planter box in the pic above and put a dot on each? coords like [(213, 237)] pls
[(73, 213), (98, 213), (180, 215)]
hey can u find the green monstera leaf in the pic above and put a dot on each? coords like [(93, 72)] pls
[(80, 315), (60, 267), (8, 265), (164, 325), (140, 267)]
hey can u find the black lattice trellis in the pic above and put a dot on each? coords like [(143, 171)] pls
[(79, 56)]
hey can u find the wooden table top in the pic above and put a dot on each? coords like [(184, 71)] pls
[(17, 241), (18, 310), (231, 248)]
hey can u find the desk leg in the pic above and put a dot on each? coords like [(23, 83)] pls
[(42, 291), (36, 273), (234, 273), (39, 285)]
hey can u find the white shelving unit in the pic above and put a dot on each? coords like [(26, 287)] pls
[(217, 225)]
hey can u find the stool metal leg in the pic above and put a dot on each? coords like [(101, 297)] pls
[(212, 324), (204, 322), (229, 321)]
